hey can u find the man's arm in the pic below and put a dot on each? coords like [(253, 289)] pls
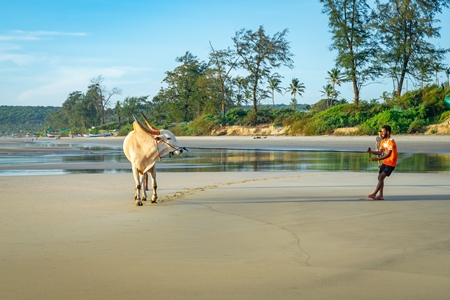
[(386, 155), (374, 152)]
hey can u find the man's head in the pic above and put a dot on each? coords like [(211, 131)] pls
[(386, 131)]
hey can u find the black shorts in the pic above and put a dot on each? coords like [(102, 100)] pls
[(386, 169)]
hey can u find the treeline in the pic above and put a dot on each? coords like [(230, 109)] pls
[(408, 114), (24, 119)]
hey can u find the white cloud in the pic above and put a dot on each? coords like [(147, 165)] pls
[(19, 35), (18, 59), (53, 89)]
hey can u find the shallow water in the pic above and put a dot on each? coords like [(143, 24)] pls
[(112, 160)]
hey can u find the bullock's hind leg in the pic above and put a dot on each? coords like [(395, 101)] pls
[(137, 179), (144, 192), (152, 173)]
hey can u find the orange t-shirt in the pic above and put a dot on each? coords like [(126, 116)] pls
[(387, 145)]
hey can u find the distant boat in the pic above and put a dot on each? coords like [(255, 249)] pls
[(50, 135), (97, 134)]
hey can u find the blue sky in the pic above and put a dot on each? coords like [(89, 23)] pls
[(49, 49)]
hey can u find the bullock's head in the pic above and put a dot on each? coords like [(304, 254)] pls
[(164, 139), (168, 144)]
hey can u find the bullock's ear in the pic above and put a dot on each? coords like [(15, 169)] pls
[(157, 138)]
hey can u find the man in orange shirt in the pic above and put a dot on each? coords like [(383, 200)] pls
[(389, 158)]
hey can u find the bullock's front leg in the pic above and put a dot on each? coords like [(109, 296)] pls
[(152, 173), (137, 179)]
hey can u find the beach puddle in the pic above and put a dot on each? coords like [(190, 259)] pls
[(112, 160)]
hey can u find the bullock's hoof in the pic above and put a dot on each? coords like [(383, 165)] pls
[(138, 203), (144, 199), (154, 199)]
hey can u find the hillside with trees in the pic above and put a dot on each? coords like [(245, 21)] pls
[(24, 119)]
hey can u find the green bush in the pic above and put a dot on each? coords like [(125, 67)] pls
[(201, 125), (235, 116), (444, 116), (417, 126), (407, 121), (124, 130)]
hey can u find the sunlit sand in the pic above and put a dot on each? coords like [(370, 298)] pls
[(233, 235)]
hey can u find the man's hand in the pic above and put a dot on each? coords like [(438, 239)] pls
[(373, 158)]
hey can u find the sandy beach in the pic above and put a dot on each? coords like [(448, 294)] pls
[(233, 235)]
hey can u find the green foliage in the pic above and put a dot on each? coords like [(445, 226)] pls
[(235, 116), (250, 118), (109, 126), (258, 54), (94, 130), (407, 121), (24, 119), (185, 95), (444, 116), (409, 46), (354, 41), (417, 126), (373, 125), (325, 122), (200, 126), (124, 130), (279, 115)]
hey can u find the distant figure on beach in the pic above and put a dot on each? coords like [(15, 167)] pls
[(378, 140), (388, 154)]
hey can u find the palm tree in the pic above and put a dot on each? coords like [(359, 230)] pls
[(447, 73), (294, 103), (385, 97), (437, 67), (329, 93), (118, 110), (273, 86), (240, 82), (296, 87), (247, 95), (423, 70), (335, 77)]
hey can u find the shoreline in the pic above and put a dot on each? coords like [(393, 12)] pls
[(405, 143)]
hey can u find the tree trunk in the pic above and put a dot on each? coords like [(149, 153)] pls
[(103, 116), (402, 79), (273, 98), (355, 92), (400, 85), (223, 100), (255, 105)]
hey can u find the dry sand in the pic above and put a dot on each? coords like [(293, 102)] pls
[(264, 235)]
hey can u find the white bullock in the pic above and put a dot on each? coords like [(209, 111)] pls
[(143, 147)]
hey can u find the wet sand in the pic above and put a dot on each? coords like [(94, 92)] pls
[(264, 235)]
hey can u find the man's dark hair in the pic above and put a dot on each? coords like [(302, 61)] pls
[(387, 128)]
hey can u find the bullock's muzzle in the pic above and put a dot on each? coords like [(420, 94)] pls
[(178, 151)]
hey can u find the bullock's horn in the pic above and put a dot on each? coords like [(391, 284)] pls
[(147, 122), (143, 127)]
